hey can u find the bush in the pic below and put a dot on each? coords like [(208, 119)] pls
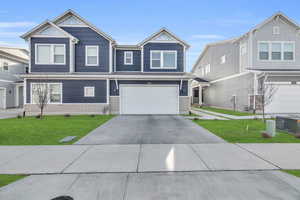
[(38, 116), (19, 116), (67, 115), (93, 115)]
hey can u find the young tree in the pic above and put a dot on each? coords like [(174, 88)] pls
[(266, 94), (40, 96)]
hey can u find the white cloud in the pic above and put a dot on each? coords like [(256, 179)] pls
[(16, 24), (208, 36), (8, 44)]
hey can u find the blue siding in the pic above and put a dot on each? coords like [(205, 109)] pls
[(50, 68), (73, 90), (164, 46), (87, 36), (115, 92), (136, 66)]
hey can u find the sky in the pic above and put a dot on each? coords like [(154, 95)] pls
[(197, 22)]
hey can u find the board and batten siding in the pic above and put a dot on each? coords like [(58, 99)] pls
[(50, 67), (87, 36), (115, 92), (73, 90), (164, 46), (136, 65)]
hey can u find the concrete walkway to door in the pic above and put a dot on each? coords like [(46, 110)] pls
[(150, 129)]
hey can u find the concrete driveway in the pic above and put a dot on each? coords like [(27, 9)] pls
[(150, 129)]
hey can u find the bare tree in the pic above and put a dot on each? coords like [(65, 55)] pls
[(266, 94), (41, 96)]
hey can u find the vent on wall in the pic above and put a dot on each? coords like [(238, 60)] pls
[(276, 30)]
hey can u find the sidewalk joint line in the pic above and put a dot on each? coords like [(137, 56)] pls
[(192, 148)]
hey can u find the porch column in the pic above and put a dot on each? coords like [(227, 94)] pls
[(200, 95)]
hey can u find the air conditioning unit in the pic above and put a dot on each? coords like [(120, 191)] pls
[(289, 124)]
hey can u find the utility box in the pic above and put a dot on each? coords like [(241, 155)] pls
[(271, 128), (289, 124)]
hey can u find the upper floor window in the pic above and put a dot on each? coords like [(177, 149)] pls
[(91, 55), (207, 69), (4, 67), (128, 58), (277, 51), (263, 51), (243, 49), (276, 30), (53, 54), (223, 59), (163, 59)]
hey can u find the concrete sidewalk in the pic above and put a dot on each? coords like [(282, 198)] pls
[(147, 158), (233, 185), (217, 114)]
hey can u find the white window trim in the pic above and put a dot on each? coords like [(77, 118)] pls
[(85, 91), (86, 56), (282, 51), (162, 59), (51, 54), (61, 91), (130, 56)]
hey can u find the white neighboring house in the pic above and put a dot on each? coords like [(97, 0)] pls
[(235, 68), (13, 63)]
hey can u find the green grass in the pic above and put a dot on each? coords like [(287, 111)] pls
[(293, 172), (7, 179), (49, 130), (225, 111), (235, 131)]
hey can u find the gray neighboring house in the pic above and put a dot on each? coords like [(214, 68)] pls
[(235, 68), (13, 63), (87, 71)]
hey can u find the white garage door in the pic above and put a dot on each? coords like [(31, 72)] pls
[(285, 100), (149, 99), (2, 98)]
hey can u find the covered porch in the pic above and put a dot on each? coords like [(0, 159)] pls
[(197, 87)]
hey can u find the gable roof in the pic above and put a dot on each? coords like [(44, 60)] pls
[(16, 53), (43, 25), (164, 30), (277, 14), (71, 12)]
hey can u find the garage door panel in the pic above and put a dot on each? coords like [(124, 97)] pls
[(286, 100), (143, 99)]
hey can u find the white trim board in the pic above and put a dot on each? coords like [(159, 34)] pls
[(230, 77)]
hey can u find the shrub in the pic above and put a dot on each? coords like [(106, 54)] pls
[(38, 116), (92, 115), (67, 115), (19, 116)]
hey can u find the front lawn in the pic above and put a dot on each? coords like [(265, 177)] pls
[(7, 179), (293, 172), (49, 130), (244, 131), (225, 111)]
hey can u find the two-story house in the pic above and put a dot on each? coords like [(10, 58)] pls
[(236, 68), (13, 63), (86, 71)]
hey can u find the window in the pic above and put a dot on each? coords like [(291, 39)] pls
[(89, 91), (277, 51), (276, 30), (51, 91), (50, 54), (243, 49), (128, 58), (223, 59), (164, 59), (288, 51), (207, 69), (91, 55), (264, 51)]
